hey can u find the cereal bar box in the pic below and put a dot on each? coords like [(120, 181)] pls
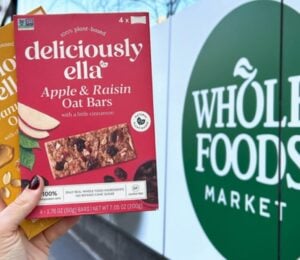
[(86, 112), (10, 180)]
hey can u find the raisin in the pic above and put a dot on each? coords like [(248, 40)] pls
[(108, 178), (120, 173), (46, 182), (114, 136), (60, 165), (80, 144), (92, 163), (147, 171), (112, 150)]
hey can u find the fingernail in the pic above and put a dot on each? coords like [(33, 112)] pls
[(34, 183)]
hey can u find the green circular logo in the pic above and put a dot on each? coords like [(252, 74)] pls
[(241, 136)]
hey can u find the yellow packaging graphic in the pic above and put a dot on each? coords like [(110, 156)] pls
[(10, 180)]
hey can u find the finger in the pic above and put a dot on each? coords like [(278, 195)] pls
[(46, 238), (15, 212), (60, 228)]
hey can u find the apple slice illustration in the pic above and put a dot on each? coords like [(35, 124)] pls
[(36, 119), (27, 130)]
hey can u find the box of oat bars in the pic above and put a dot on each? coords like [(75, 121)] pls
[(10, 180), (85, 97)]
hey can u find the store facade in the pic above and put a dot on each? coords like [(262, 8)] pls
[(226, 80)]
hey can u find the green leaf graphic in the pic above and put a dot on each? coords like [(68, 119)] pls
[(27, 142), (27, 158)]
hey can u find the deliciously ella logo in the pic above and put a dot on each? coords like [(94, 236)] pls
[(241, 133), (81, 50)]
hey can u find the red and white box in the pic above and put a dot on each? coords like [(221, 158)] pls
[(86, 112)]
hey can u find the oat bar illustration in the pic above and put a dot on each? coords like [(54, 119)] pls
[(90, 150)]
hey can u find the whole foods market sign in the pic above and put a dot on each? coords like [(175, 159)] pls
[(241, 133)]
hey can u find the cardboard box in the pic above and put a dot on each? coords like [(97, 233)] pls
[(85, 102), (10, 180)]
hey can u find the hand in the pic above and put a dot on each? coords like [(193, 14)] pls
[(13, 243)]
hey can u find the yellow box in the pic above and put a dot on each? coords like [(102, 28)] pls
[(10, 178)]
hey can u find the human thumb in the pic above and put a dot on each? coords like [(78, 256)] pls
[(15, 212)]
